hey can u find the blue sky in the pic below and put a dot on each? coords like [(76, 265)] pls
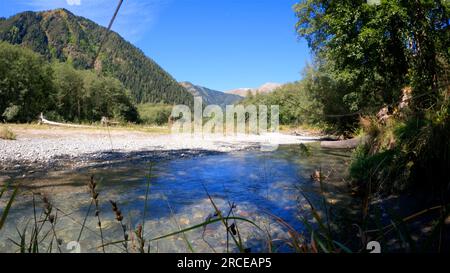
[(220, 44)]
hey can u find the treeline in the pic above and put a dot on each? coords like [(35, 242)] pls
[(315, 100), (364, 56), (29, 85)]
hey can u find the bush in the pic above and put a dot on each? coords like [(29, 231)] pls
[(371, 172), (405, 154), (430, 153), (6, 133), (11, 112)]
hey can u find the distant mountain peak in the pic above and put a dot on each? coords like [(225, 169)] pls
[(58, 10), (209, 96), (265, 88)]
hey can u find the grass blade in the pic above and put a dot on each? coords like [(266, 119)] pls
[(209, 222), (8, 207)]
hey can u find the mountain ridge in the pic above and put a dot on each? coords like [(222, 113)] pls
[(210, 96), (263, 89), (61, 35)]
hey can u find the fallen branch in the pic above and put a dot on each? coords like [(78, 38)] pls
[(344, 144), (42, 120)]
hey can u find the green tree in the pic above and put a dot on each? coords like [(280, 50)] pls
[(375, 50), (26, 86), (297, 104), (69, 85)]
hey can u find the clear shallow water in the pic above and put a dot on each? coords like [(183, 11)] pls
[(257, 182)]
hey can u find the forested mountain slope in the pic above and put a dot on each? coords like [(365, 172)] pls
[(60, 35)]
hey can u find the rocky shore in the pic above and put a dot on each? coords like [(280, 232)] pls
[(76, 147)]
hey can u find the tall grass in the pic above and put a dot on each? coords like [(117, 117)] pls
[(406, 153), (47, 218), (5, 211)]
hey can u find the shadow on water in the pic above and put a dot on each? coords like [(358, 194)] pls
[(255, 181)]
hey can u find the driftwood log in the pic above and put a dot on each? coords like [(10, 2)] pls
[(344, 144), (43, 120)]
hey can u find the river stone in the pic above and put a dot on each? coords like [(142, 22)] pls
[(199, 215)]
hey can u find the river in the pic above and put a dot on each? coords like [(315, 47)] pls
[(259, 184)]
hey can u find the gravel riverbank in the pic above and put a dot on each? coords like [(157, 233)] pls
[(56, 146)]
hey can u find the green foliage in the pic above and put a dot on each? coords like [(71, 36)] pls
[(157, 114), (25, 84), (30, 85), (297, 107), (373, 51), (11, 112), (85, 95), (331, 101), (69, 91), (371, 171), (406, 153), (365, 56), (317, 100), (60, 35), (382, 164), (429, 152)]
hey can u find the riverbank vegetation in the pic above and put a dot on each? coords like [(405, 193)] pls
[(389, 69), (154, 113), (391, 62), (379, 71), (30, 85), (7, 133)]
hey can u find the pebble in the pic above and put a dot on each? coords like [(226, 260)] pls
[(184, 221), (199, 215)]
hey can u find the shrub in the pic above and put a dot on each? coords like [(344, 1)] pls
[(405, 154), (11, 112), (6, 133)]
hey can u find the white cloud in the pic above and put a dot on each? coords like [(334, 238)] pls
[(73, 2)]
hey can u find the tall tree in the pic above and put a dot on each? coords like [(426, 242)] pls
[(26, 86), (378, 49)]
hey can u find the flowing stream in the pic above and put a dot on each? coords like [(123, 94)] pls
[(259, 184)]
